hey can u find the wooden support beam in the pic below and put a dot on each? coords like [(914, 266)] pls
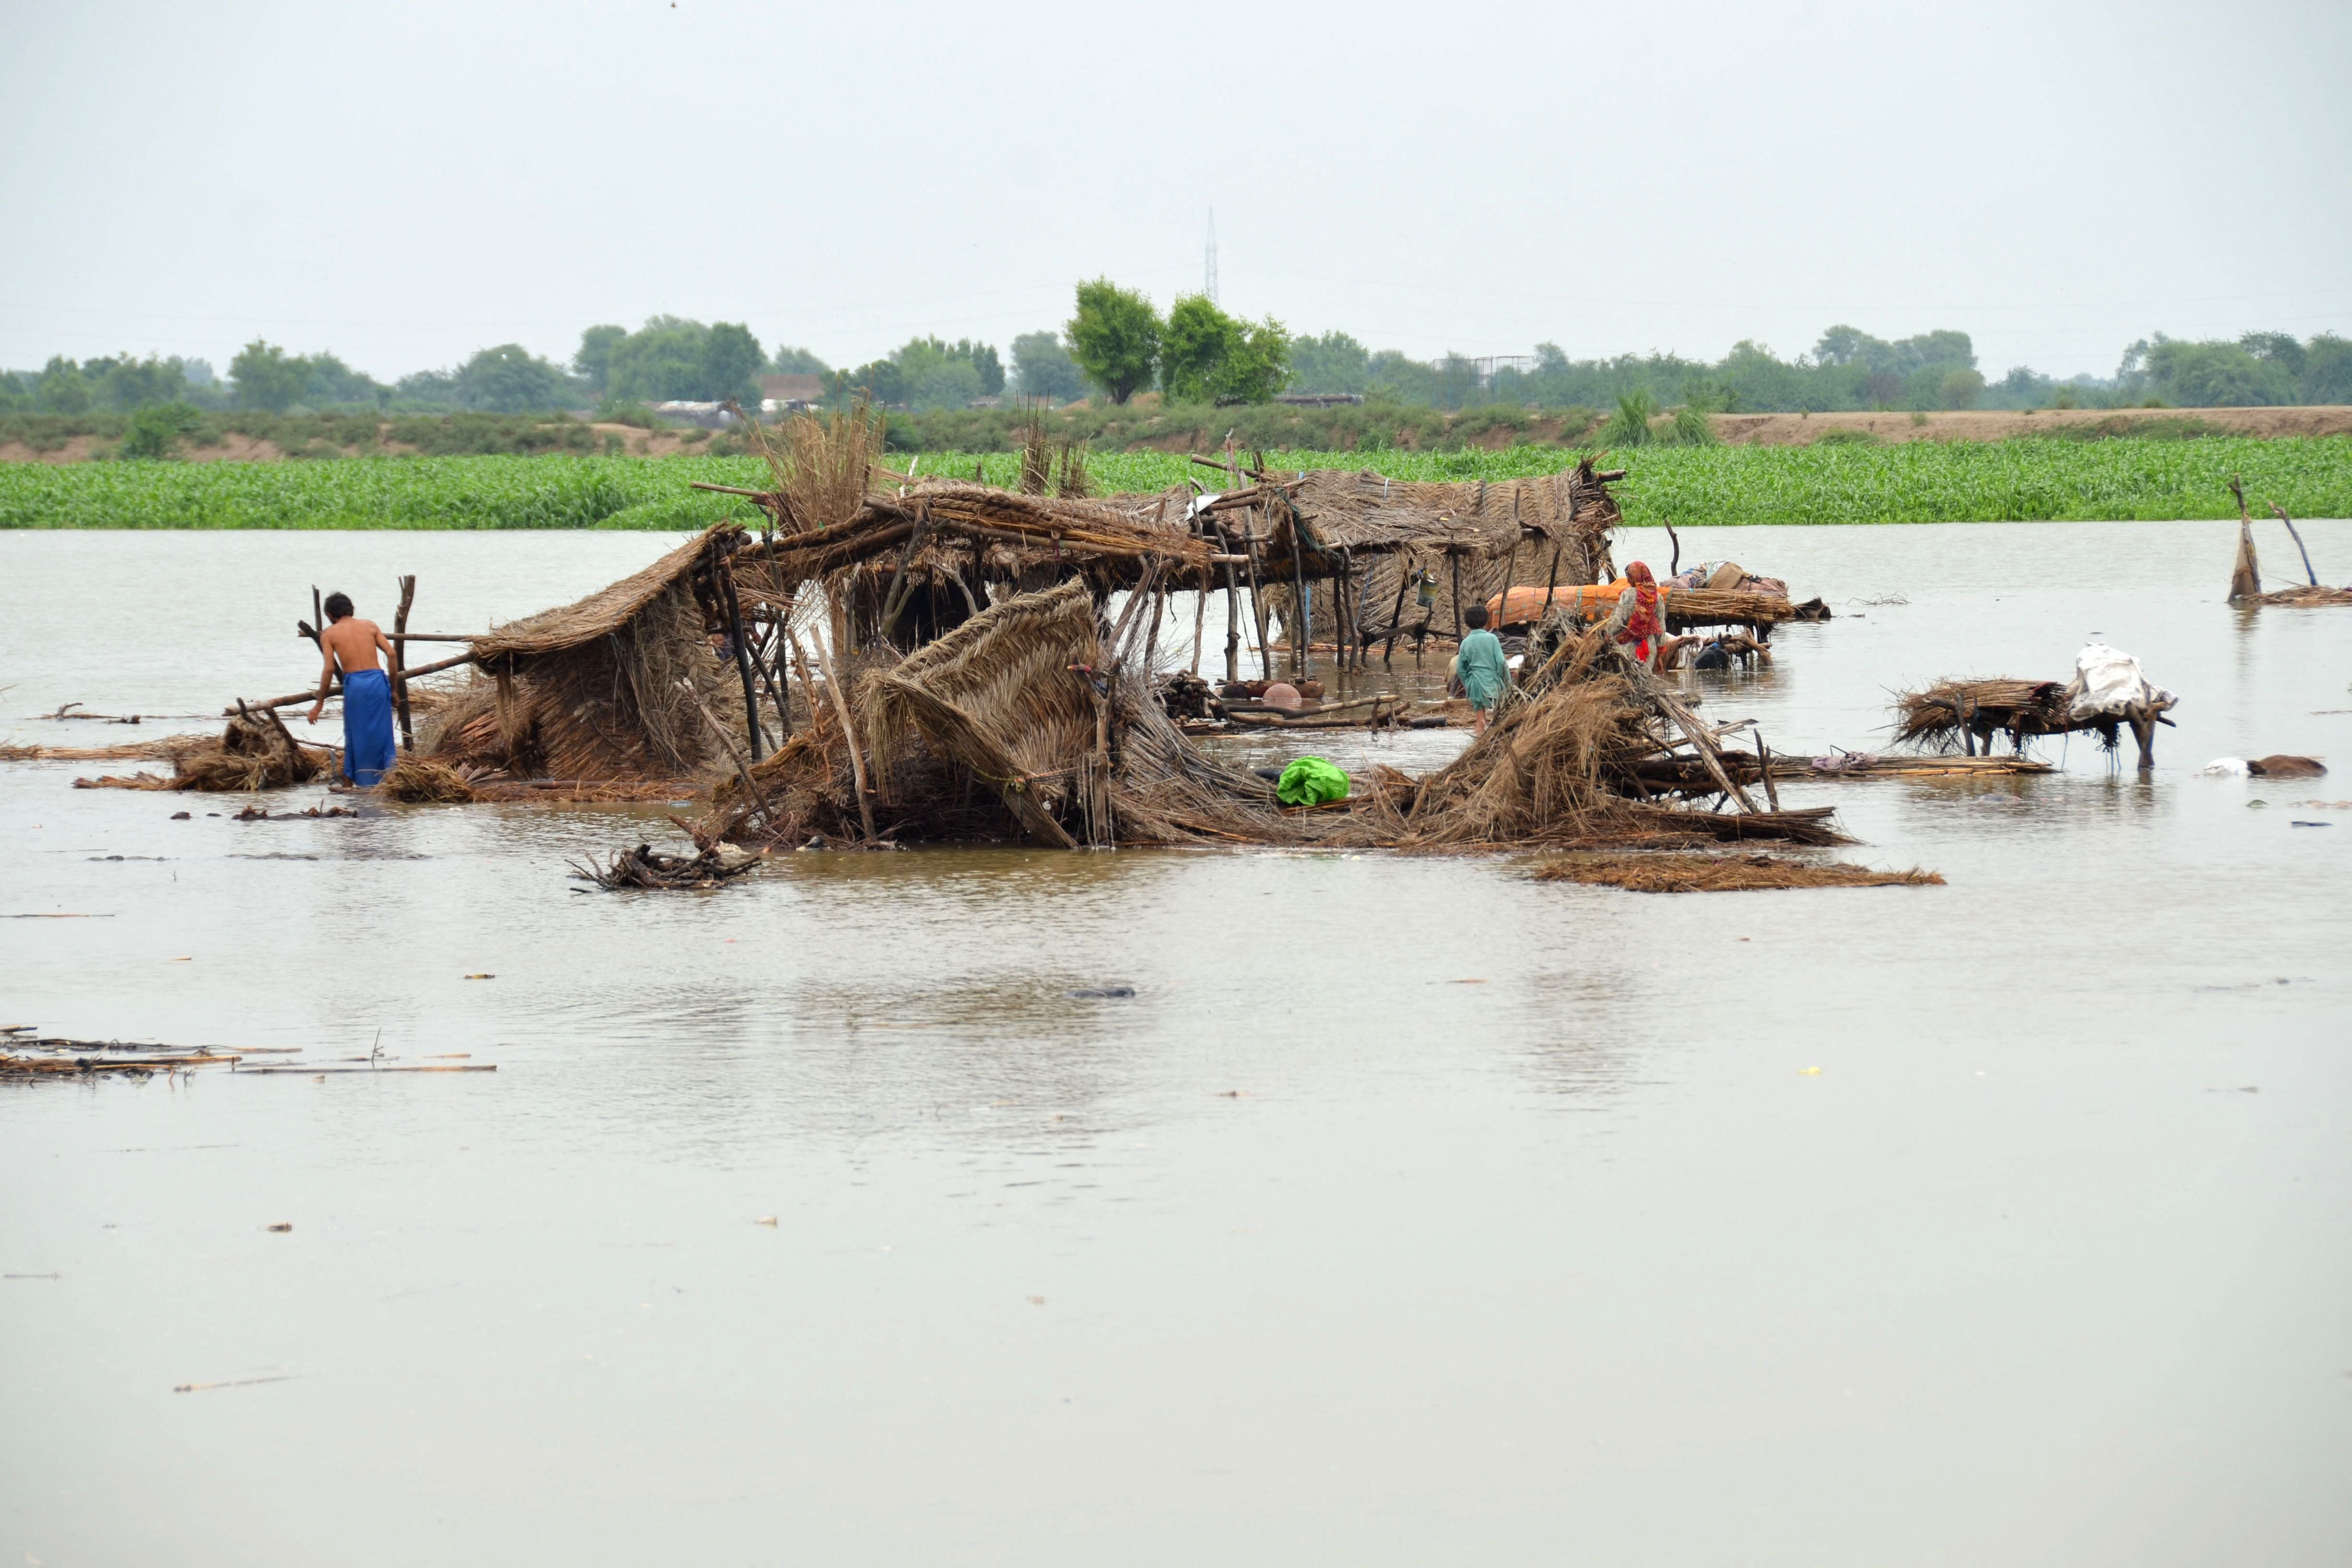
[(400, 662)]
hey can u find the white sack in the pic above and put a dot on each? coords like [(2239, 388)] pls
[(2108, 680)]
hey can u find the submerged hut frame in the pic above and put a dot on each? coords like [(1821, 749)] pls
[(1350, 560)]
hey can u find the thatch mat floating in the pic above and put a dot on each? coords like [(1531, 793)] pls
[(1655, 873)]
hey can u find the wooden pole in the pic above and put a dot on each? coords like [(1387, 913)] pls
[(725, 582), (1406, 572), (1764, 766), (808, 686), (400, 662), (1302, 631), (849, 733), (742, 770), (1257, 605), (2280, 512), (310, 694), (1455, 556), (1233, 627), (1200, 620), (1151, 636)]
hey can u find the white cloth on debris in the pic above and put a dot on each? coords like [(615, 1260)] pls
[(2228, 768), (2108, 680)]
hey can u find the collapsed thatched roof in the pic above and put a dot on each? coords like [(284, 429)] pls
[(612, 687), (606, 610), (1006, 695)]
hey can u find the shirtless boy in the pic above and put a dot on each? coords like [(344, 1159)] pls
[(349, 645)]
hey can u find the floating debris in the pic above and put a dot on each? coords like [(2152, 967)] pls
[(1657, 873), (647, 867)]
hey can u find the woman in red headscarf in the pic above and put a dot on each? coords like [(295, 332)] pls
[(1640, 621)]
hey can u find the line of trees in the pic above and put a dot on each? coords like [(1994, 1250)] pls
[(1117, 345), (667, 359)]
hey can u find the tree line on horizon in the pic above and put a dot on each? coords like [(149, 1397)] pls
[(1117, 345)]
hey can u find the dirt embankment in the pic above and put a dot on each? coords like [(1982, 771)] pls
[(1998, 425), (236, 447)]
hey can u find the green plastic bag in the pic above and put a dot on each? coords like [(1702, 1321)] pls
[(1310, 781)]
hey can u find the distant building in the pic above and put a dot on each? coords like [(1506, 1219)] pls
[(1318, 399), (790, 394)]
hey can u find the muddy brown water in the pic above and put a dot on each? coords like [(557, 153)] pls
[(1407, 1211)]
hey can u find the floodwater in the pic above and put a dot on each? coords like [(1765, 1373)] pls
[(1408, 1211)]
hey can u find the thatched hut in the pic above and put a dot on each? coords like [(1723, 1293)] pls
[(612, 687)]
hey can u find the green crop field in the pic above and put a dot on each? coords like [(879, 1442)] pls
[(2022, 481)]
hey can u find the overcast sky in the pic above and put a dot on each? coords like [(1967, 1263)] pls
[(405, 183)]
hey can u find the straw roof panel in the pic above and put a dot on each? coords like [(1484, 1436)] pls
[(606, 610)]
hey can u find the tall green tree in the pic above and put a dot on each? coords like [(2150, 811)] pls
[(593, 363), (123, 382), (1208, 356), (331, 382), (1042, 367), (1115, 338), (61, 389), (1338, 363), (660, 362), (510, 379), (268, 377), (2215, 375), (731, 357), (2326, 370), (788, 361), (1193, 347)]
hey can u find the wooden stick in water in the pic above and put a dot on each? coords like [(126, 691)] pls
[(400, 662), (849, 733), (742, 769), (310, 693)]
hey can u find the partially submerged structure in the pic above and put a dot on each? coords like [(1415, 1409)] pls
[(1030, 721), (2246, 575), (923, 660), (2107, 695)]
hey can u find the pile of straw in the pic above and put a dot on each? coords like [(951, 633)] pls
[(2310, 596), (254, 752), (1933, 719), (1657, 873), (427, 781)]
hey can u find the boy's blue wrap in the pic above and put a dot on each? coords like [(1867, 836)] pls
[(367, 727)]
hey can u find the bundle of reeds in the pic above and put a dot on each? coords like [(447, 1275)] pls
[(427, 781), (823, 464), (254, 752), (1671, 873), (1945, 714)]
